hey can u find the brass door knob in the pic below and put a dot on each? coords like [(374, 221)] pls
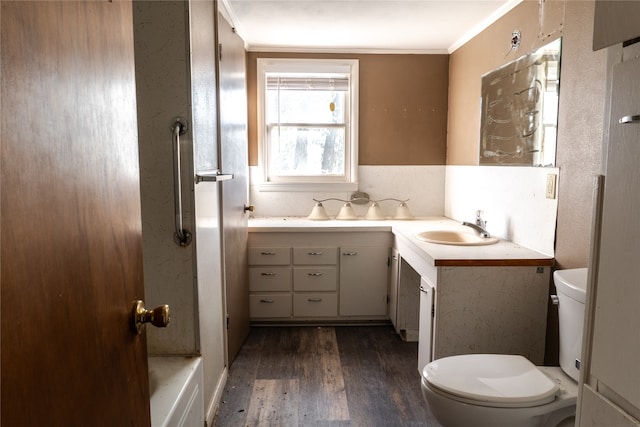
[(248, 208), (159, 316)]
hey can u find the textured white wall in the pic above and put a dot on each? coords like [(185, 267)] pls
[(513, 200), (168, 268), (422, 185)]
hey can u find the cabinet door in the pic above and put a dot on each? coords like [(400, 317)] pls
[(617, 292), (408, 301), (363, 281), (500, 310), (615, 22), (393, 287), (426, 323), (597, 411)]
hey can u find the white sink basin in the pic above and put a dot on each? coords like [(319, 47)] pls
[(458, 238)]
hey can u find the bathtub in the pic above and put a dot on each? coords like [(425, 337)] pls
[(176, 391)]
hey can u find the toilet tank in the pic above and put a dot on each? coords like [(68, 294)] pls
[(571, 286)]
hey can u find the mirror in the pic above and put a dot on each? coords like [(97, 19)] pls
[(520, 110)]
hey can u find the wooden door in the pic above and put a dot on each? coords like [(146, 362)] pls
[(71, 256), (234, 160)]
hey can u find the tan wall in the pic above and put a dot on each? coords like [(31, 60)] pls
[(403, 107), (485, 52), (580, 118), (580, 135), (580, 121)]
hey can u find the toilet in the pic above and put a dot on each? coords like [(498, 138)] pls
[(501, 390)]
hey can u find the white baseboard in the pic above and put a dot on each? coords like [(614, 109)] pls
[(214, 404)]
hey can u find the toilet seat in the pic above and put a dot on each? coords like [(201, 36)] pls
[(497, 380)]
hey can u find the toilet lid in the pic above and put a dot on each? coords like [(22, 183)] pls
[(491, 379)]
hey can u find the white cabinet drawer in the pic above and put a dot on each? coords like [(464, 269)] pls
[(315, 256), (315, 279), (261, 306), (269, 279), (269, 256), (315, 305)]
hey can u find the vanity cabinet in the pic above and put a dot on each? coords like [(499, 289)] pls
[(480, 306), (318, 276), (452, 299)]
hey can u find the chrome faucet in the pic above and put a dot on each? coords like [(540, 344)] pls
[(479, 226)]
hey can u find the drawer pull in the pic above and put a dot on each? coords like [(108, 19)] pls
[(314, 299), (267, 300), (314, 274), (268, 274), (350, 253), (267, 253), (314, 253)]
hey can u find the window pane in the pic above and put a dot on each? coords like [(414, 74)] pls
[(307, 151), (305, 106), (308, 110)]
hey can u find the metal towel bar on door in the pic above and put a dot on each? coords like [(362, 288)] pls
[(214, 176)]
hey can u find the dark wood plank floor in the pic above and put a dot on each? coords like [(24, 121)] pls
[(324, 376)]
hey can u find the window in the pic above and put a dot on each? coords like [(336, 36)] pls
[(308, 123)]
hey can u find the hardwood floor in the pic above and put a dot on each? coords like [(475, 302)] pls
[(324, 376)]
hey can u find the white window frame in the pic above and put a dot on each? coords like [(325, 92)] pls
[(350, 181)]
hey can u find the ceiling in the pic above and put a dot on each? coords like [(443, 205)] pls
[(376, 26)]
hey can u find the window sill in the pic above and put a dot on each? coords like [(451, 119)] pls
[(308, 186)]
